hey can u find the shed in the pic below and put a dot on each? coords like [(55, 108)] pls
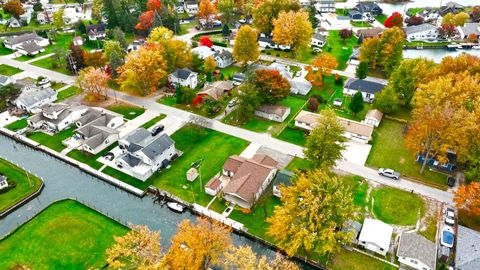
[(375, 236)]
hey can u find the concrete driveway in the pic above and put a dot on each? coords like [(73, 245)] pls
[(356, 152)]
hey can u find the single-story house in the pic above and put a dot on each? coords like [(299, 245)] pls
[(30, 48), (273, 112), (248, 178), (373, 117), (422, 32), (375, 236), (416, 252), (300, 86), (56, 117), (4, 80), (322, 31), (429, 14), (98, 129), (184, 77), (355, 15), (203, 52), (190, 6), (144, 154), (266, 42), (3, 182), (468, 249), (318, 40), (283, 177), (325, 6), (96, 31), (369, 7), (365, 33), (367, 88), (214, 90), (223, 58), (32, 98), (469, 29), (14, 42)]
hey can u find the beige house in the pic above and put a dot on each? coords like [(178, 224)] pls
[(373, 117), (216, 90), (273, 112)]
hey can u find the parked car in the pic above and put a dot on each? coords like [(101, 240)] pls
[(109, 156), (448, 236), (156, 130), (389, 173), (451, 181), (232, 102), (450, 216)]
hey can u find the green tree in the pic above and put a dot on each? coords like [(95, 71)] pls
[(311, 16), (59, 56), (110, 11), (325, 143), (225, 30), (58, 18), (356, 103), (110, 46), (313, 212), (362, 70), (119, 36), (248, 100), (387, 100), (227, 9), (115, 61)]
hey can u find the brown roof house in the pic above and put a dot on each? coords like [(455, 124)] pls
[(369, 32), (215, 90), (273, 112), (373, 117), (246, 179)]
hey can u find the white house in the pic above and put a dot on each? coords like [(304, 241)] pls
[(325, 6), (144, 154), (375, 236), (367, 88), (318, 40), (373, 117), (56, 117), (203, 52), (96, 31), (191, 6), (469, 29), (184, 77), (223, 58), (44, 17), (32, 98), (14, 23), (77, 41), (3, 182), (416, 252), (422, 32), (30, 48), (14, 42), (273, 112), (300, 86)]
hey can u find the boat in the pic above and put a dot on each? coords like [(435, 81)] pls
[(454, 46), (476, 47), (176, 207)]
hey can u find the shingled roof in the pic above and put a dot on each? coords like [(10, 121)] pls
[(415, 246)]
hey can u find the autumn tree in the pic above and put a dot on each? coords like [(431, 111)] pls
[(145, 21), (94, 82), (313, 224), (324, 63), (314, 76), (76, 59), (467, 198), (138, 249), (271, 85), (144, 70), (243, 258), (475, 14), (206, 11), (227, 10), (111, 46), (209, 65), (245, 48), (266, 11), (177, 52), (395, 20), (324, 145), (292, 29), (14, 7), (458, 19), (447, 30), (206, 41), (362, 70), (345, 34), (58, 18), (97, 7), (198, 245), (95, 59)]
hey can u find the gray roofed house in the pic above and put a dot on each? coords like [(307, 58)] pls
[(223, 58), (4, 80), (32, 97), (318, 40), (418, 28), (469, 29), (367, 88), (422, 32), (184, 77), (15, 41), (137, 136), (238, 78), (300, 86), (30, 48), (157, 146), (273, 112), (96, 31), (369, 7), (468, 249), (416, 252), (131, 160), (56, 116)]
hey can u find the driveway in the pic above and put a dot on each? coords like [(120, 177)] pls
[(356, 152)]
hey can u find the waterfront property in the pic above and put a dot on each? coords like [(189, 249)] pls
[(56, 117), (32, 98), (375, 236), (416, 252)]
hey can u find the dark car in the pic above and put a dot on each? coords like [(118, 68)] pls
[(156, 130), (451, 181), (109, 156)]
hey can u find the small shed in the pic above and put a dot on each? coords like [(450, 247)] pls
[(373, 117), (3, 182), (192, 174)]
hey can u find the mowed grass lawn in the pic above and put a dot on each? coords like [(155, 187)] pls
[(389, 151), (25, 183), (19, 124), (67, 93), (339, 49), (153, 121), (48, 63), (89, 159), (53, 142), (352, 260), (66, 235), (9, 70), (395, 206), (128, 111)]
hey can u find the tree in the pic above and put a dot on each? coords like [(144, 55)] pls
[(345, 34), (313, 224), (268, 10), (362, 70), (144, 70), (325, 63), (226, 8), (97, 7), (76, 61), (472, 172), (271, 85), (325, 143), (475, 14), (59, 56), (312, 104), (447, 30), (467, 198), (395, 20), (119, 36), (314, 76), (206, 11), (110, 46), (94, 59), (138, 249), (312, 16), (110, 10), (94, 82), (292, 29), (206, 41), (198, 246), (58, 18), (114, 63), (243, 258), (245, 48), (145, 21), (14, 7), (160, 35), (177, 52), (414, 20), (249, 99), (387, 100), (356, 104), (458, 19), (37, 7), (225, 30), (209, 65)]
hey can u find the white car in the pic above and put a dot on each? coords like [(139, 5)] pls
[(447, 237), (389, 173), (450, 216)]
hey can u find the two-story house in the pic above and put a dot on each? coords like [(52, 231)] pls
[(184, 77)]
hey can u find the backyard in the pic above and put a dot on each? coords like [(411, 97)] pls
[(89, 159), (9, 70), (51, 64), (340, 49), (24, 184), (66, 235), (67, 93), (17, 125), (53, 142), (395, 206), (389, 151), (128, 111)]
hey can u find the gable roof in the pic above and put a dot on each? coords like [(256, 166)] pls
[(364, 86), (468, 249), (216, 89), (137, 136), (412, 245), (14, 40), (375, 114), (409, 30), (377, 232), (320, 37), (470, 28), (283, 177), (157, 146), (273, 109), (182, 73), (224, 55), (370, 32), (94, 29), (30, 47), (356, 127), (301, 84), (367, 6), (35, 95)]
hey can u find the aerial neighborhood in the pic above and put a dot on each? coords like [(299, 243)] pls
[(222, 134)]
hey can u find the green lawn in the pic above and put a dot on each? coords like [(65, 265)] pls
[(293, 135), (388, 151), (352, 260), (169, 101), (57, 85), (300, 164), (414, 11), (395, 206), (184, 27), (305, 56), (89, 159), (25, 184), (9, 70), (66, 235), (128, 111), (381, 18), (127, 178), (154, 121), (19, 124), (48, 63), (53, 142), (360, 24), (337, 48), (430, 231), (230, 71), (5, 51), (69, 92), (33, 26)]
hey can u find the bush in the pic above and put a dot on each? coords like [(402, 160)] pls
[(319, 98), (194, 44), (339, 81)]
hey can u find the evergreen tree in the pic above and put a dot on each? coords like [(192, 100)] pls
[(109, 9), (362, 70), (357, 104), (119, 36), (115, 62), (225, 30)]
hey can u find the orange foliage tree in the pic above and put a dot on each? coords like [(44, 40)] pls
[(145, 20), (206, 11), (272, 86), (468, 198), (94, 81)]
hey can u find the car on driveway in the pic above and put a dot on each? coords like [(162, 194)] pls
[(389, 173), (450, 216), (232, 103), (156, 130), (448, 236)]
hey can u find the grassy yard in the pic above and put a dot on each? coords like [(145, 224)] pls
[(299, 164), (360, 24), (395, 206), (349, 260), (431, 229), (127, 178), (388, 151), (230, 71), (128, 111), (305, 56), (293, 135), (25, 184), (53, 142), (5, 51), (381, 18), (69, 92), (57, 85), (33, 26), (66, 235), (154, 121), (9, 70), (48, 63), (339, 49), (89, 159), (184, 27), (17, 125)]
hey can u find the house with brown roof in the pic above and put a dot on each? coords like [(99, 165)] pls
[(353, 130), (273, 112), (215, 90), (245, 180), (369, 32), (373, 117)]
